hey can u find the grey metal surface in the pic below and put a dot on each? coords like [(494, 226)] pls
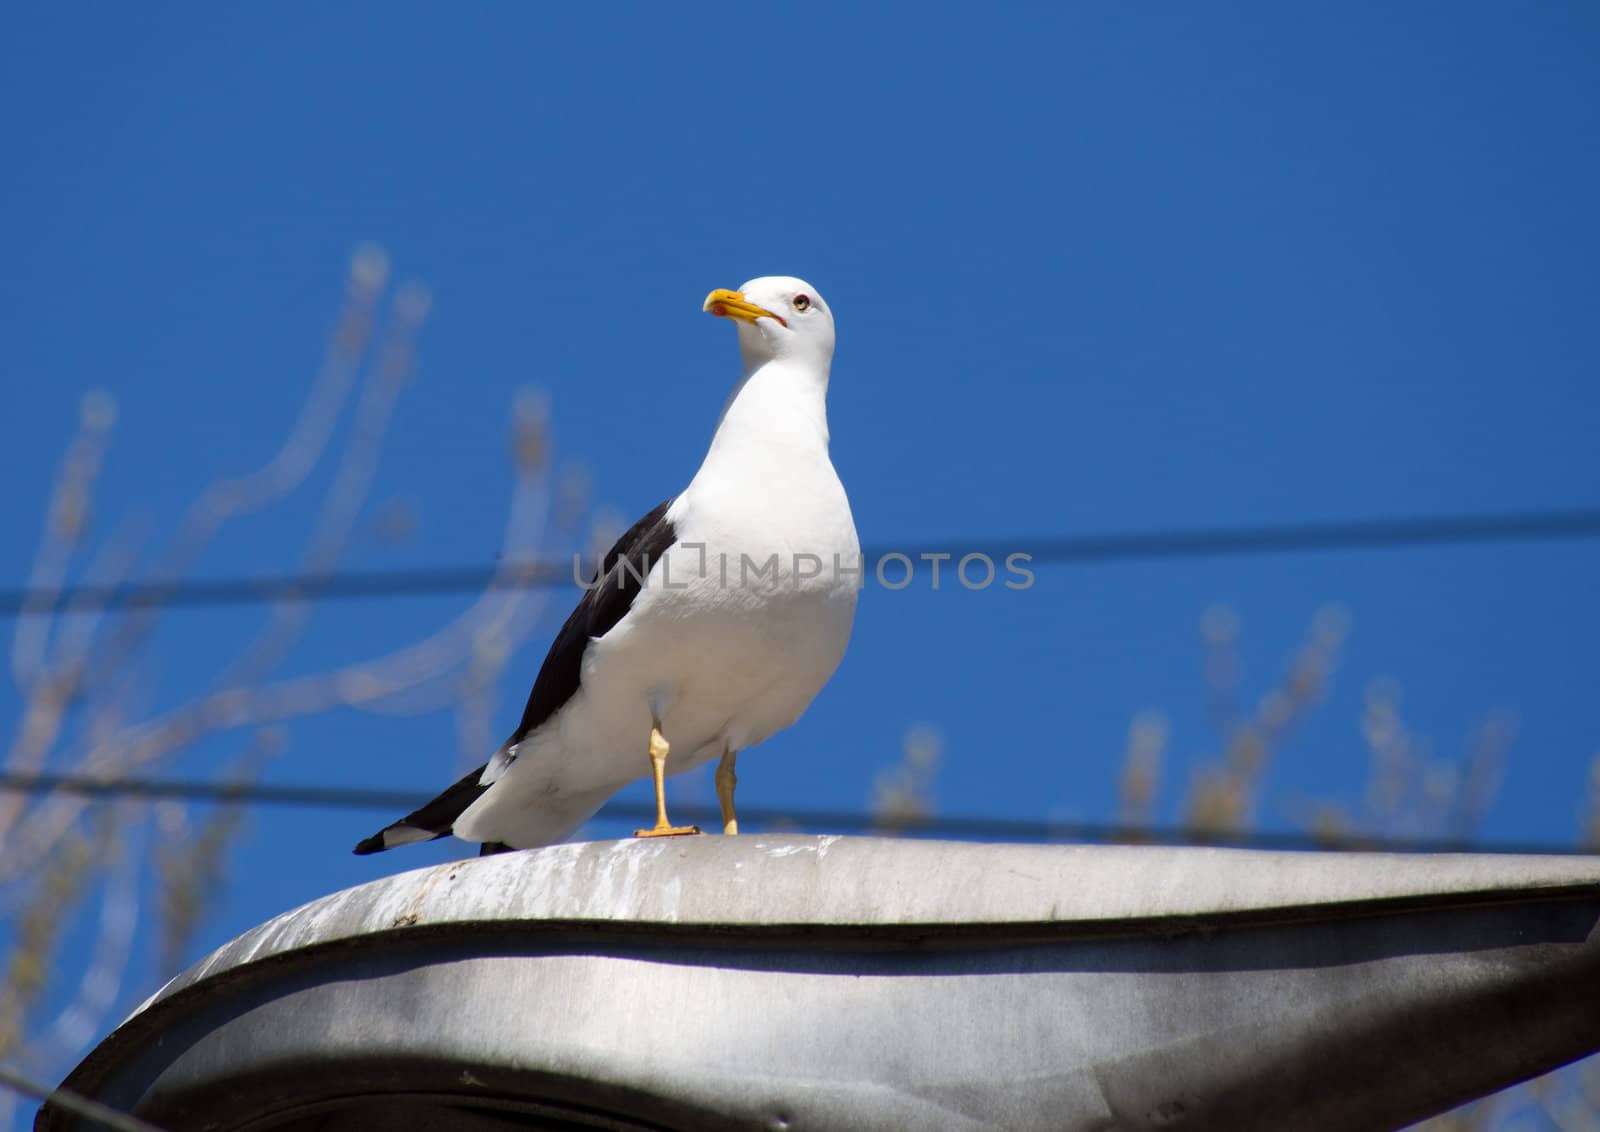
[(799, 982)]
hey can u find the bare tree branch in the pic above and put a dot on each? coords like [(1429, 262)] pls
[(86, 677)]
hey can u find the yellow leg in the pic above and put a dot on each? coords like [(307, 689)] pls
[(658, 768), (726, 781)]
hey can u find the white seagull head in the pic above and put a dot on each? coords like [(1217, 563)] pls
[(779, 317)]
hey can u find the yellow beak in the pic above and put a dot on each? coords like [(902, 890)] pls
[(732, 304)]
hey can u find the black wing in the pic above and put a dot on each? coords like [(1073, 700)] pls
[(598, 611), (601, 607)]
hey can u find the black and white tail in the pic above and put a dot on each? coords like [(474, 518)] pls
[(431, 821)]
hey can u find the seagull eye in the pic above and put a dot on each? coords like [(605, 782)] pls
[(801, 302)]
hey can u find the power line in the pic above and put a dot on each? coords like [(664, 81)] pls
[(74, 1103), (1359, 534), (988, 828), (202, 790)]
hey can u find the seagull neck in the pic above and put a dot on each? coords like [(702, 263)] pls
[(777, 403)]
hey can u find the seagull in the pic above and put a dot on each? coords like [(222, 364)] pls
[(711, 624)]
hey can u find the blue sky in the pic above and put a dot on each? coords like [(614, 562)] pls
[(1093, 270)]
